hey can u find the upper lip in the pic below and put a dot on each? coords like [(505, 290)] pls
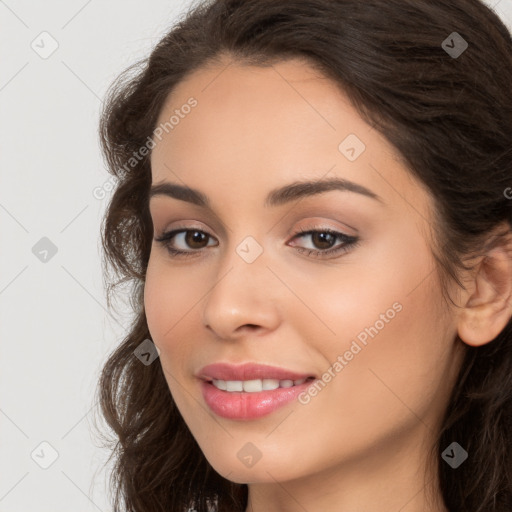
[(248, 371)]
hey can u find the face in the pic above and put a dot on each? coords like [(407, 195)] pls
[(335, 284)]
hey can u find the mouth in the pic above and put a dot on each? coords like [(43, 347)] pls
[(251, 377), (251, 399), (255, 385)]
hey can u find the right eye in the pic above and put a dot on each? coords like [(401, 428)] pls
[(190, 237)]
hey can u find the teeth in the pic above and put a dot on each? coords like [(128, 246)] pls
[(252, 386), (234, 385), (221, 384), (256, 385)]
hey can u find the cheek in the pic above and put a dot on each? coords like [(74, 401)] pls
[(168, 292), (378, 287), (390, 332), (381, 290), (170, 302)]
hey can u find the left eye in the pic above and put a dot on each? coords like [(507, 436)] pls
[(195, 238), (327, 237)]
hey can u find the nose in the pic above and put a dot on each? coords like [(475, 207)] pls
[(244, 298)]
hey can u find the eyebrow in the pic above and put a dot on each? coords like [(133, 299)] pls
[(276, 197)]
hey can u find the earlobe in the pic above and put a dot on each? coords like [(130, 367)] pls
[(489, 308)]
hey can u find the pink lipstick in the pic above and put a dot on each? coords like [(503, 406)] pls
[(250, 391)]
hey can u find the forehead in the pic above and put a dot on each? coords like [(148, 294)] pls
[(267, 126), (266, 106)]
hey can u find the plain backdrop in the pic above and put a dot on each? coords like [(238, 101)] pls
[(56, 61)]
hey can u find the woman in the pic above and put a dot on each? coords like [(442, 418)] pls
[(312, 208)]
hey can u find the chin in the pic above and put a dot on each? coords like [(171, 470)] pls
[(261, 472)]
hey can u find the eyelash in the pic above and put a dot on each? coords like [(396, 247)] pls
[(349, 242)]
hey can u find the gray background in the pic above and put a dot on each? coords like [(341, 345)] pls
[(55, 329)]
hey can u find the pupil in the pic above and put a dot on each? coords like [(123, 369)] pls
[(322, 237), (191, 237)]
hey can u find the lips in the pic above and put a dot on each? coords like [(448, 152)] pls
[(248, 371)]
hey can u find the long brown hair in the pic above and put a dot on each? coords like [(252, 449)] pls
[(450, 118)]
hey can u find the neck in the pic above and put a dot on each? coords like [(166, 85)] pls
[(394, 479)]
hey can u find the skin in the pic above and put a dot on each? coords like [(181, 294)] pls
[(361, 443)]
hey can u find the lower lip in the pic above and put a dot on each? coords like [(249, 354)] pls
[(249, 406)]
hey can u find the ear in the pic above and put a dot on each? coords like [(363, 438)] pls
[(489, 308)]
